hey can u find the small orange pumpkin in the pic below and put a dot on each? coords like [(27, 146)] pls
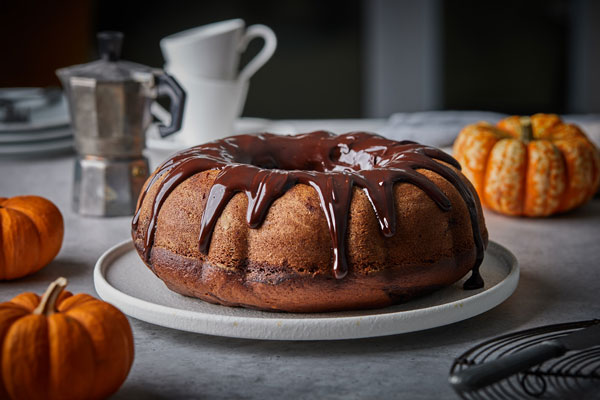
[(62, 346), (533, 166), (31, 234)]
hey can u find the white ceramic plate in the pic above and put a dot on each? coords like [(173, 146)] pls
[(41, 117), (36, 136), (160, 149), (36, 148), (241, 126), (121, 278)]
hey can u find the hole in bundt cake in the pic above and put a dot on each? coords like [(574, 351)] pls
[(341, 158)]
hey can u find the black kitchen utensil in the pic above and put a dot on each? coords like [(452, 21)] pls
[(557, 361)]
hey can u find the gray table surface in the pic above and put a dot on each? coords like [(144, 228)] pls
[(560, 281)]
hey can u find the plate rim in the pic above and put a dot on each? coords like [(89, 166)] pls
[(37, 136), (287, 328), (239, 126), (34, 148)]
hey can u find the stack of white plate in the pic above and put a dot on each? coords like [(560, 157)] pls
[(34, 122)]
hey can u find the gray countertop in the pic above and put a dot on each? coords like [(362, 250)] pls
[(560, 281)]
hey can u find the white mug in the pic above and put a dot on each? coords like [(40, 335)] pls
[(211, 108), (213, 51)]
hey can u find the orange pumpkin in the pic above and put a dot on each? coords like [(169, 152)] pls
[(533, 166), (62, 346), (31, 233)]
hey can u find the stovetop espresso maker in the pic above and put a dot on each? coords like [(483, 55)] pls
[(109, 101)]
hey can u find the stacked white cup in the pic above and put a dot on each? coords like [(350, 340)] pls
[(205, 61)]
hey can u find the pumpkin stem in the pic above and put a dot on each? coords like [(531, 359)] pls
[(526, 129), (47, 305)]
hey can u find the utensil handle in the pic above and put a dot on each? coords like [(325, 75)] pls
[(257, 31), (168, 86), (476, 377)]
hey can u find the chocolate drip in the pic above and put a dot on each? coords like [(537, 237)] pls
[(266, 166)]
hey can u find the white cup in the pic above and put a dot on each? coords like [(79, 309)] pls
[(213, 51), (211, 107)]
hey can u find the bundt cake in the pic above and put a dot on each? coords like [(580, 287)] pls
[(310, 223)]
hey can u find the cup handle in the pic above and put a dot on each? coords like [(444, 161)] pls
[(257, 31), (166, 85)]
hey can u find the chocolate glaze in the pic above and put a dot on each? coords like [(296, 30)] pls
[(265, 166)]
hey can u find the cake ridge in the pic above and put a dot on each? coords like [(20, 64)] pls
[(264, 166)]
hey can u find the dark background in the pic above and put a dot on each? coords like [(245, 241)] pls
[(508, 56)]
